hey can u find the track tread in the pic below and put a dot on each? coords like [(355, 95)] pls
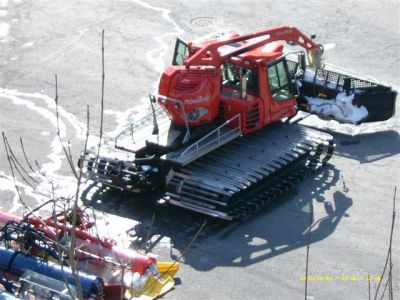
[(273, 161)]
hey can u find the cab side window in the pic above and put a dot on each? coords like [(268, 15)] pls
[(278, 79), (231, 76)]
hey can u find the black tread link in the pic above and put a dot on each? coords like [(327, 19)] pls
[(306, 155)]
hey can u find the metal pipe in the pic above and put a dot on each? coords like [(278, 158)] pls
[(178, 102), (243, 87)]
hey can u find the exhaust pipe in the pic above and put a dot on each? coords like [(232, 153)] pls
[(243, 87)]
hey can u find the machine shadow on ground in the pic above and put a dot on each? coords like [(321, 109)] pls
[(367, 148), (276, 229), (280, 227)]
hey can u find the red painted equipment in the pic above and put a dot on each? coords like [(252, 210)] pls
[(218, 146), (120, 269), (198, 86)]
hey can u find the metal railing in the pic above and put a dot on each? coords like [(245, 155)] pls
[(143, 122), (148, 119), (208, 141), (179, 104)]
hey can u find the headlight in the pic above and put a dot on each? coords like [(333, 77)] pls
[(197, 113), (145, 168)]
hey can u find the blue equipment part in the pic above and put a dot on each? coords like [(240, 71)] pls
[(7, 296), (17, 263)]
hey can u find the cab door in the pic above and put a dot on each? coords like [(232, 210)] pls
[(181, 51), (279, 91)]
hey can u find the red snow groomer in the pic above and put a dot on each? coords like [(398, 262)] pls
[(222, 140)]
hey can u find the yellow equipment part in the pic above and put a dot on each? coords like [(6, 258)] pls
[(168, 268), (157, 286)]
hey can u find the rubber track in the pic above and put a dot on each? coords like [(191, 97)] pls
[(244, 176)]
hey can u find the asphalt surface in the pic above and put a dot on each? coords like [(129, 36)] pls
[(262, 257)]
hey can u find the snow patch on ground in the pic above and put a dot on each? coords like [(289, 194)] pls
[(154, 57), (350, 129), (44, 106), (27, 45), (4, 30), (4, 26), (7, 184)]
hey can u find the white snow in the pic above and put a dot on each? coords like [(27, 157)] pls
[(27, 45), (44, 106), (341, 108), (155, 56), (329, 46), (3, 13), (4, 30)]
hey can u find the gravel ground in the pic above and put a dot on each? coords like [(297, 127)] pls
[(264, 256)]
